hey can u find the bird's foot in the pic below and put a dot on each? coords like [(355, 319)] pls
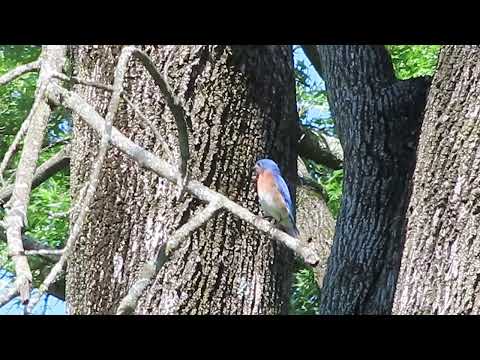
[(271, 220)]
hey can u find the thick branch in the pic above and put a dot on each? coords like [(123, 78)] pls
[(324, 150), (148, 160), (313, 55), (314, 219), (378, 124), (19, 71), (52, 58), (56, 163)]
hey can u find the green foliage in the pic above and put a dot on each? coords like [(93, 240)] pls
[(306, 295), (332, 183), (47, 213), (312, 103), (16, 97), (413, 60)]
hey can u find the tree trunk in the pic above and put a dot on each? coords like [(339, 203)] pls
[(440, 267), (242, 105), (377, 119)]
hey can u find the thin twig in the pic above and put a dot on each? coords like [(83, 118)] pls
[(52, 59), (12, 149), (76, 80), (150, 269), (43, 252), (58, 162), (19, 71), (182, 119), (128, 303), (23, 129), (194, 223), (30, 243)]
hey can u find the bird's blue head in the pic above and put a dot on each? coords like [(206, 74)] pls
[(266, 164)]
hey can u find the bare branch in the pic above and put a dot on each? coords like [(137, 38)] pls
[(58, 162), (12, 149), (151, 268), (178, 112), (52, 59), (322, 149), (19, 71), (31, 244), (44, 252), (8, 295), (148, 160), (194, 223), (76, 80), (23, 129)]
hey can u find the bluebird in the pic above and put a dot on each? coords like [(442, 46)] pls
[(274, 196)]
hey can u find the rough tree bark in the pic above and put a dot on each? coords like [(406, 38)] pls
[(314, 219), (378, 119), (242, 105), (441, 263)]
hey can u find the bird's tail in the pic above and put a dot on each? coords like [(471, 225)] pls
[(292, 229)]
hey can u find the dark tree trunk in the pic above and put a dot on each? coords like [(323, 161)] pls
[(242, 105), (378, 119), (440, 270)]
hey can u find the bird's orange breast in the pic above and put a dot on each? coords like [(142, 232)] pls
[(265, 182)]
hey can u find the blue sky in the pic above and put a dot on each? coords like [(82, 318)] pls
[(299, 55), (313, 112), (50, 305)]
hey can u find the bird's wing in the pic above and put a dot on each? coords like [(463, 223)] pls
[(283, 189)]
